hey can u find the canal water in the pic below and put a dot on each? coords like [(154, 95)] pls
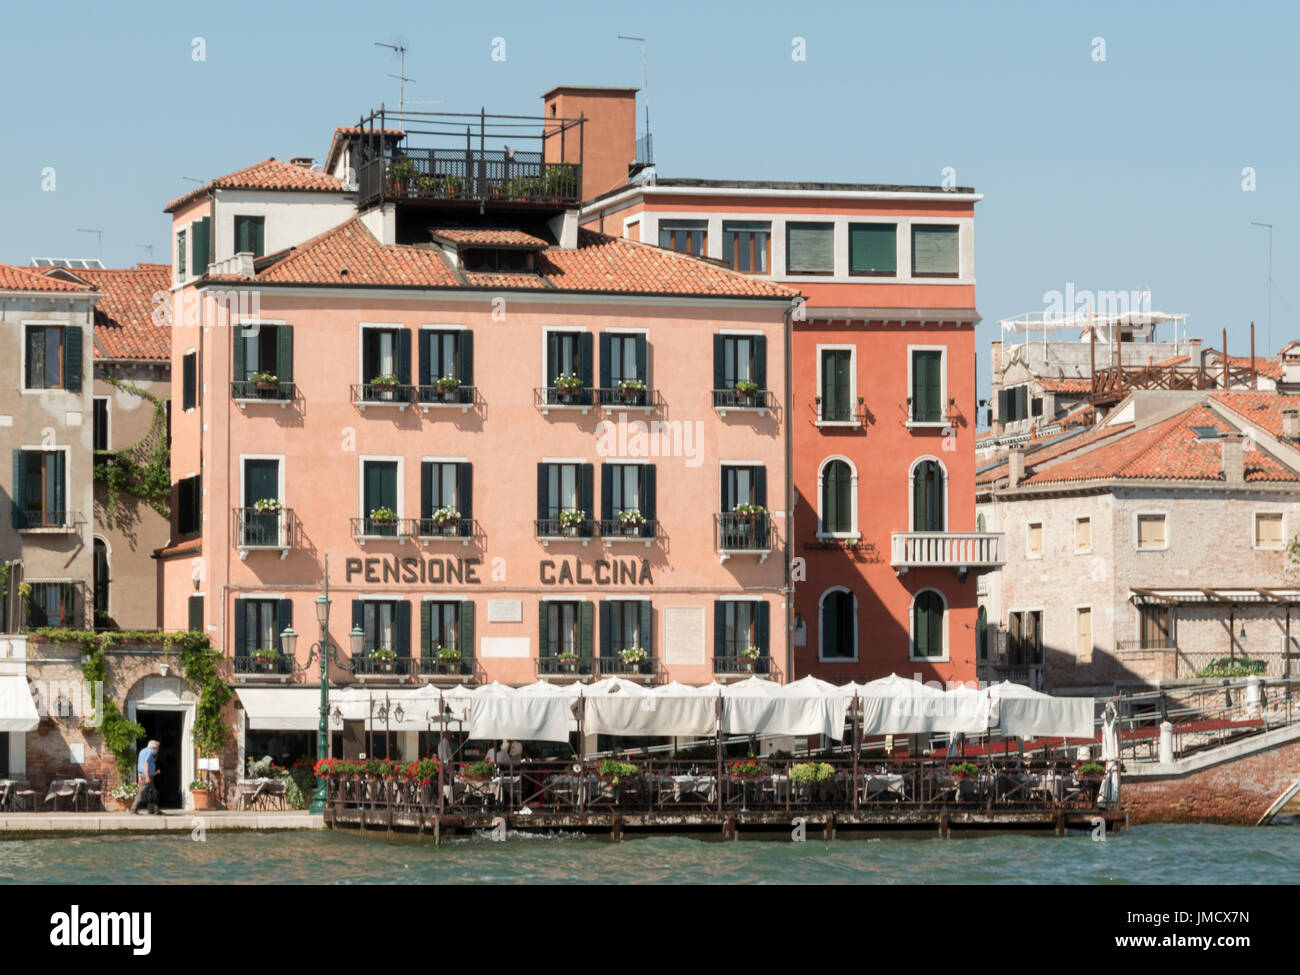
[(1145, 855)]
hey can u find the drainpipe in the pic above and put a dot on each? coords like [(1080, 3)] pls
[(787, 319)]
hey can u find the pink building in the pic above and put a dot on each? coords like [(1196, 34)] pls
[(527, 450)]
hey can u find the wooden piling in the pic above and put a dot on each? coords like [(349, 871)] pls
[(943, 825)]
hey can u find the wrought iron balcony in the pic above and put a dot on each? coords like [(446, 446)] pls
[(245, 391), (547, 398), (759, 401), (955, 550), (613, 530), (565, 668), (437, 671), (367, 666), (739, 534), (643, 671), (365, 529), (269, 530), (382, 394), (736, 665), (618, 398), (246, 665), (427, 529), (458, 397), (552, 529)]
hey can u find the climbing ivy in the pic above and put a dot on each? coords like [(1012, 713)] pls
[(200, 664), (144, 468)]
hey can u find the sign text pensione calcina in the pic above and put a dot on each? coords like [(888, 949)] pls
[(411, 570)]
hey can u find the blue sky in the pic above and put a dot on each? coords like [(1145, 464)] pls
[(1117, 175)]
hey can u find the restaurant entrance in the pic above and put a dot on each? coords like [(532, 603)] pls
[(166, 728)]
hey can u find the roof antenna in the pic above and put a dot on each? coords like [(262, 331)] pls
[(149, 248), (645, 145), (399, 48), (100, 233)]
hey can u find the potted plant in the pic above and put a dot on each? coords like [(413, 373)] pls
[(122, 796), (266, 383), (746, 768), (266, 506), (400, 173), (811, 773), (749, 657), (632, 658), (746, 390), (385, 659), (569, 387), (1089, 771), (630, 521), (265, 659), (451, 186), (613, 771), (568, 661), (424, 771), (199, 789), (447, 520), (448, 660), (571, 521), (385, 387), (748, 516), (382, 518), (632, 391), (480, 771), (448, 388)]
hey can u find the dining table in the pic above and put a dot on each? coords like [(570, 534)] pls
[(72, 789)]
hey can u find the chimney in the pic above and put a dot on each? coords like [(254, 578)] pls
[(1194, 353), (1234, 458), (1291, 424), (1015, 467), (605, 144), (303, 161)]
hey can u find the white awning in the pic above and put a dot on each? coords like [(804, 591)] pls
[(1030, 714), (17, 709), (897, 705), (763, 707), (281, 709), (619, 707)]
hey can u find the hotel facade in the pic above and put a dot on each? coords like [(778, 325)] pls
[(527, 450)]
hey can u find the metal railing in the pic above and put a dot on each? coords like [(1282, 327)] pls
[(840, 412), (426, 528), (547, 396), (457, 671), (264, 529), (614, 666), (734, 399), (743, 533), (918, 412), (435, 395), (614, 528), (377, 528), (365, 665), (247, 389), (562, 667), (248, 664), (763, 666), (555, 528), (944, 549), (379, 393), (471, 175), (616, 397)]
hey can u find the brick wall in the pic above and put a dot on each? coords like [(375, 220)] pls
[(1236, 793)]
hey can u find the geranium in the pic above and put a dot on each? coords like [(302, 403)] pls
[(424, 771), (746, 768), (481, 767), (964, 769), (614, 771)]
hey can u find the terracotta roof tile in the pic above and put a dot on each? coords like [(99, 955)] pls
[(485, 279), (1051, 449), (342, 131), (269, 174), (14, 278), (349, 254), (1263, 409), (483, 235), (1168, 451), (179, 548), (1066, 385), (124, 326)]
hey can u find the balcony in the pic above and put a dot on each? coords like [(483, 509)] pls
[(380, 529), (446, 672), (642, 671), (734, 667), (248, 668), (547, 398), (738, 534), (461, 398), (616, 398), (565, 669), (918, 414), (365, 668), (555, 530), (612, 530), (246, 392), (840, 414), (49, 522), (263, 531), (952, 550), (381, 394), (761, 401), (427, 530)]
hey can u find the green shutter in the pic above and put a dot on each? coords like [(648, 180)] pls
[(719, 362), (934, 251), (543, 628), (647, 627), (239, 356), (402, 629), (72, 358), (426, 489), (465, 489), (16, 492), (873, 248), (586, 616), (259, 236), (760, 361), (719, 628), (605, 353), (809, 248), (426, 628), (60, 487), (404, 356), (195, 622), (763, 627), (241, 630), (284, 353), (606, 637), (199, 234), (465, 357), (465, 629)]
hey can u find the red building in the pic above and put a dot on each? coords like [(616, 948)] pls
[(885, 554)]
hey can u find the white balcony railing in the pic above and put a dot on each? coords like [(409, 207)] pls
[(957, 550)]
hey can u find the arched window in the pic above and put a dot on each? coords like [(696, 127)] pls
[(928, 514), (982, 630), (101, 578), (837, 497), (838, 625), (927, 624)]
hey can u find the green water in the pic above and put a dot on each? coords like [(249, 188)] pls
[(1146, 855)]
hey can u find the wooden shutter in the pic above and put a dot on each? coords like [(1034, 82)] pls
[(543, 485), (402, 628), (426, 627), (60, 474), (605, 634), (1268, 530), (465, 628), (404, 356), (607, 491), (605, 370), (18, 489), (425, 344), (189, 380), (241, 628), (586, 623), (1084, 649), (586, 491), (465, 489), (239, 355), (284, 353), (649, 498), (809, 248), (195, 612), (426, 489), (719, 362), (283, 618), (760, 361), (719, 628), (934, 251), (763, 627), (199, 233), (584, 358), (642, 367), (259, 236), (1151, 531), (358, 614), (465, 358), (873, 248), (760, 486), (72, 358), (1035, 539), (646, 634), (543, 628)]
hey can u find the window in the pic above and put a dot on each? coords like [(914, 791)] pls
[(386, 352), (982, 633), (625, 625), (264, 349), (250, 235), (927, 386), (837, 498), (53, 357), (189, 506), (934, 252), (261, 483), (1013, 404), (40, 489), (747, 245), (740, 624), (1151, 532), (569, 354), (447, 353), (743, 485), (194, 614), (929, 502), (1025, 639), (627, 488), (564, 487), (809, 248), (445, 484), (1083, 534), (622, 358), (873, 249), (839, 634), (1083, 635), (837, 386), (927, 625), (258, 625), (101, 579), (739, 358), (1155, 627), (440, 628), (189, 380), (687, 236), (101, 423), (1034, 540), (379, 480), (379, 621), (180, 256), (566, 627), (53, 604), (1268, 530)]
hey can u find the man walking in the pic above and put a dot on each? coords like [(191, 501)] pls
[(146, 768)]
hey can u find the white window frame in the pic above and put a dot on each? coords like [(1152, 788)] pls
[(852, 350), (361, 490), (821, 603), (279, 458), (911, 628), (68, 524), (911, 509), (1254, 530), (1042, 540), (853, 534), (1137, 546), (943, 386)]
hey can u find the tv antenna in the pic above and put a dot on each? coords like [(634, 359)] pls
[(149, 248), (398, 47), (1268, 334), (100, 233), (645, 89)]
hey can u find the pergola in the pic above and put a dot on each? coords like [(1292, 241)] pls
[(1232, 597)]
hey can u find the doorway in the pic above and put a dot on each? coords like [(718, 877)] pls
[(165, 727)]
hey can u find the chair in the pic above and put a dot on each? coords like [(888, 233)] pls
[(95, 791), (27, 794)]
